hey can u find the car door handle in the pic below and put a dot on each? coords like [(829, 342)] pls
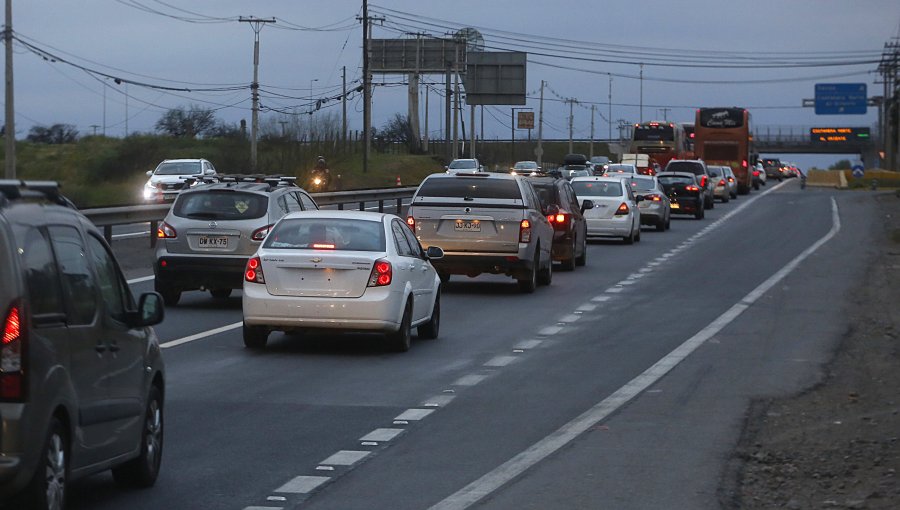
[(100, 348), (114, 347)]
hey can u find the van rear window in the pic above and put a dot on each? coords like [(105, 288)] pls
[(685, 166), (470, 187)]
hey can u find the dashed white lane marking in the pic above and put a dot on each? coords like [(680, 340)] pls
[(276, 498), (381, 435), (586, 308), (139, 280), (263, 507), (500, 361), (199, 336), (614, 290), (414, 414), (469, 380), (627, 282), (528, 344), (653, 263), (550, 330), (345, 458), (438, 400), (635, 276), (569, 318), (600, 299), (490, 482), (303, 484)]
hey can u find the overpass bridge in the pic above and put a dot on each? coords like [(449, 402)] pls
[(797, 140)]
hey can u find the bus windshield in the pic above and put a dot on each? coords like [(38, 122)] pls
[(654, 132)]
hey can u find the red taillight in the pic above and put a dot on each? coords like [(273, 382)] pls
[(525, 231), (722, 182), (623, 209), (165, 231), (381, 274), (558, 220), (411, 222), (254, 273), (756, 173), (731, 179), (744, 163), (652, 197), (691, 187), (11, 376), (261, 233), (323, 246), (703, 181)]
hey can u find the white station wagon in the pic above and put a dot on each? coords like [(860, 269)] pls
[(342, 271)]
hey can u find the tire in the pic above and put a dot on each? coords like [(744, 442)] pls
[(756, 186), (220, 293), (726, 198), (661, 225), (47, 490), (582, 260), (143, 471), (668, 221), (569, 264), (430, 329), (629, 239), (529, 283), (700, 213), (170, 294), (255, 337), (545, 276), (445, 277), (637, 237), (709, 204), (399, 341)]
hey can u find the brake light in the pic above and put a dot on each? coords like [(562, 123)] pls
[(756, 173), (623, 209), (261, 233), (560, 220), (744, 163), (652, 197), (722, 182), (165, 231), (254, 273), (323, 246), (703, 181), (731, 179), (411, 222), (381, 274), (11, 375), (691, 187), (525, 231)]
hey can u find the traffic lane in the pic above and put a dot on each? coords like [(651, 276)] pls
[(672, 446), (569, 371)]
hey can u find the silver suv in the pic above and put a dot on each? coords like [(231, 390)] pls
[(174, 175), (81, 378), (485, 223), (213, 228)]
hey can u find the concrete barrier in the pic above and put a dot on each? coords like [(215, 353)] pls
[(826, 178)]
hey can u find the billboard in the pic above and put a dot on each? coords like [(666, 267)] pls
[(495, 77), (422, 55)]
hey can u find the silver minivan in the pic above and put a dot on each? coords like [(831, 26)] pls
[(485, 223), (82, 382)]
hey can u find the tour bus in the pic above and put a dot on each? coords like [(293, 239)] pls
[(722, 137), (661, 140)]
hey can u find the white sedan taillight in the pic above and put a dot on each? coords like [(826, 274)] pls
[(253, 273), (381, 275)]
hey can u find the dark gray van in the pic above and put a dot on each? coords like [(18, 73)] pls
[(81, 377)]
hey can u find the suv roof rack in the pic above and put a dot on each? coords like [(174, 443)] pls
[(272, 180), (11, 189)]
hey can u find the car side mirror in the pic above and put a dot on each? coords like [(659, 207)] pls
[(587, 204), (150, 311), (149, 173), (551, 210), (639, 198), (209, 171), (434, 253)]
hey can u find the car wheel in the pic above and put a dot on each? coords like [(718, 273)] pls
[(709, 204), (529, 283), (170, 294), (726, 198), (734, 195), (445, 277), (582, 260), (430, 329), (142, 471), (756, 186), (399, 340), (47, 489), (220, 293), (255, 337), (637, 235), (661, 225), (545, 276), (569, 263), (629, 239), (668, 221)]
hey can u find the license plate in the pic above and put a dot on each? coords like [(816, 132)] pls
[(213, 242), (675, 206), (468, 226)]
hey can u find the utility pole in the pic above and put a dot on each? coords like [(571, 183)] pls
[(666, 113), (95, 126), (609, 104), (344, 107), (593, 107), (447, 106), (425, 130), (571, 121), (367, 92), (10, 107), (256, 24), (539, 151), (642, 92)]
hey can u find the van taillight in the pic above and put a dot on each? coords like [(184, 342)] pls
[(525, 231), (11, 374), (253, 273)]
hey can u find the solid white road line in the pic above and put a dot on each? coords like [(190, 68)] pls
[(490, 482), (200, 336), (139, 280)]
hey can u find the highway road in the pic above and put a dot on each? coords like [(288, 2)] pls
[(622, 385)]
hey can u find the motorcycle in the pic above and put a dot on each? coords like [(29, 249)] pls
[(318, 181)]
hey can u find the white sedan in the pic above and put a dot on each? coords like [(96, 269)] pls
[(615, 212), (342, 271)]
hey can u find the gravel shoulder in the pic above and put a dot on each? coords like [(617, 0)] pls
[(836, 445)]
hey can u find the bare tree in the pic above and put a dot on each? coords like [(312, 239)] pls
[(55, 134), (187, 123)]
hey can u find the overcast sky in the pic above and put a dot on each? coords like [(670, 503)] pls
[(200, 45)]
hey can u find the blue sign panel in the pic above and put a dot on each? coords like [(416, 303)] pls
[(858, 171), (841, 98)]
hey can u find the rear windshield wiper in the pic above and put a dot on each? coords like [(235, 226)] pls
[(202, 215)]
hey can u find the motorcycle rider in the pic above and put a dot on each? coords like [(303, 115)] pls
[(321, 171)]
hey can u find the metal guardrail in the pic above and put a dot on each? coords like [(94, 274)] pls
[(108, 217)]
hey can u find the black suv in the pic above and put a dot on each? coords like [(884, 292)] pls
[(81, 377), (569, 226), (698, 168)]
